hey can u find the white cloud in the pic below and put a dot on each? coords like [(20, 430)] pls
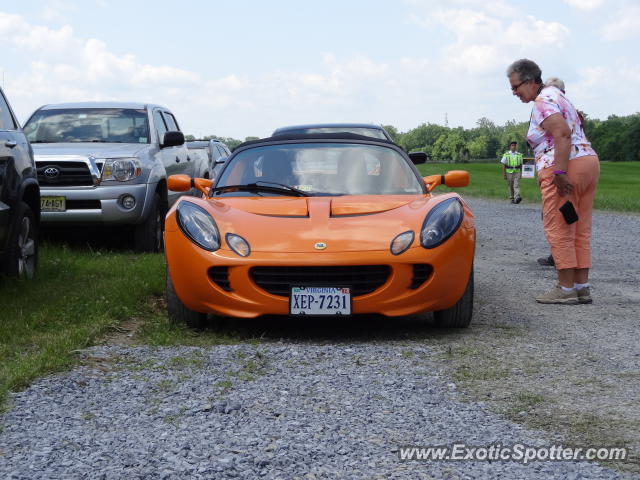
[(531, 31), (625, 25), (488, 35), (55, 11), (586, 5)]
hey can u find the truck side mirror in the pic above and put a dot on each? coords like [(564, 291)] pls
[(172, 139)]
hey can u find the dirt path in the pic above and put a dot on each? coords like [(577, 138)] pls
[(574, 370)]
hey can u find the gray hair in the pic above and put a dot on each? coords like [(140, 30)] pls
[(554, 82), (526, 70)]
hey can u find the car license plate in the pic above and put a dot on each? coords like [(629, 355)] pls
[(53, 204), (320, 301)]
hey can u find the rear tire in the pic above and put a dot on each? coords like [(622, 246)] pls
[(148, 236), (178, 312), (21, 255), (458, 316)]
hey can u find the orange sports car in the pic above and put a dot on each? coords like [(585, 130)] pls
[(320, 224)]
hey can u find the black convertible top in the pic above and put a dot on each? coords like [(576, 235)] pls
[(315, 136)]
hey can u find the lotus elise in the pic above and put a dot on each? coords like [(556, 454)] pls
[(320, 224)]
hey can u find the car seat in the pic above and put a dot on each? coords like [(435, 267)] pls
[(352, 172), (276, 167)]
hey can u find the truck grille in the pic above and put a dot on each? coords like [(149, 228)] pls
[(362, 279), (69, 174)]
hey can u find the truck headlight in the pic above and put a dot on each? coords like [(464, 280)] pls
[(121, 169), (441, 222), (198, 226)]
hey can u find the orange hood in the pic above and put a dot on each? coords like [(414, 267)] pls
[(346, 223)]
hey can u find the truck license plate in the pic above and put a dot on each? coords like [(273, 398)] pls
[(53, 204), (320, 301)]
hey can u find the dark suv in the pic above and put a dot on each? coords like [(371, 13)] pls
[(19, 198)]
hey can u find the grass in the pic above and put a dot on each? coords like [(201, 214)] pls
[(617, 189), (77, 296)]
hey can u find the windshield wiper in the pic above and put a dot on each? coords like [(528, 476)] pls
[(263, 186)]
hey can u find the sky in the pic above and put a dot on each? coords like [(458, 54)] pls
[(238, 68)]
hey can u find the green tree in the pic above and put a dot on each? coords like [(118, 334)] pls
[(393, 132), (478, 147)]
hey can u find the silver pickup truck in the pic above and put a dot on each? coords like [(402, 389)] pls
[(103, 163)]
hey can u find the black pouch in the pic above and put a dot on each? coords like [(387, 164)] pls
[(569, 213)]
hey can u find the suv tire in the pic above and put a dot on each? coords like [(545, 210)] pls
[(22, 248), (149, 235), (178, 312), (458, 316)]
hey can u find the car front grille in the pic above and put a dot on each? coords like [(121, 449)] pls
[(362, 279), (69, 174), (421, 272), (220, 276)]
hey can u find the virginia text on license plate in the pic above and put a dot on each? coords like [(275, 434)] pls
[(320, 301)]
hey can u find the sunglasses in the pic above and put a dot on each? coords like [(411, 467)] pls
[(516, 87)]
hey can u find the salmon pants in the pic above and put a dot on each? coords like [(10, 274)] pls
[(570, 244)]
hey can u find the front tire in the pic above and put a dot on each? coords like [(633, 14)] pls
[(458, 316), (178, 312), (148, 236), (21, 256)]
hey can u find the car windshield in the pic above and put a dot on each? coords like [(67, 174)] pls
[(364, 131), (108, 125), (321, 169)]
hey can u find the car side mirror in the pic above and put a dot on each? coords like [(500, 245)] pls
[(172, 139), (184, 183), (454, 178), (179, 183), (418, 157)]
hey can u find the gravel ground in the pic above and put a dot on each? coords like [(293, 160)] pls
[(342, 409)]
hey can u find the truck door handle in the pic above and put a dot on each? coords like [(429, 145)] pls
[(177, 159), (10, 143)]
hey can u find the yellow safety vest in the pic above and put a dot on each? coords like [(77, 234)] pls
[(514, 162)]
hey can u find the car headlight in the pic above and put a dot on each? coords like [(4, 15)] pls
[(121, 169), (198, 226), (441, 222), (238, 244), (401, 242)]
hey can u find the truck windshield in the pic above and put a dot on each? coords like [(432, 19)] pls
[(108, 125)]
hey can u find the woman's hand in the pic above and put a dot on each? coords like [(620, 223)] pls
[(562, 184)]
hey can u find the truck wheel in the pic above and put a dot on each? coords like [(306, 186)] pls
[(22, 248), (458, 316), (178, 312), (148, 236)]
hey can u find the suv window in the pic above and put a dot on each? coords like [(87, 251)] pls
[(221, 151), (161, 128), (6, 119), (171, 122)]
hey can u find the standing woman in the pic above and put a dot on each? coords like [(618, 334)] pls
[(568, 170)]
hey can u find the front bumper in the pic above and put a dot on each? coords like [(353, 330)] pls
[(189, 265), (100, 204)]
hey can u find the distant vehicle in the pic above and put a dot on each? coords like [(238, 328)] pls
[(364, 129), (211, 156), (320, 224), (19, 198), (107, 163)]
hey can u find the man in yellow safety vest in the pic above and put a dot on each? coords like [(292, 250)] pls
[(512, 171)]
